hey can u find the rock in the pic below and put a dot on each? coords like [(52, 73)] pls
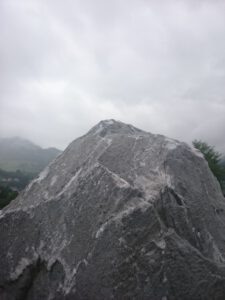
[(120, 214)]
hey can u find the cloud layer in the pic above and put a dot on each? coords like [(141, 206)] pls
[(159, 65)]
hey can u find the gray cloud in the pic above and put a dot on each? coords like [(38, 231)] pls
[(65, 65)]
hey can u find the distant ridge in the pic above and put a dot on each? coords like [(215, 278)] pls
[(20, 154)]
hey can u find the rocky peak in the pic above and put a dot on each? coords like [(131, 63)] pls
[(107, 127), (120, 214)]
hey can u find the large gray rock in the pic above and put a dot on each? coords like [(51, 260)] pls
[(120, 214)]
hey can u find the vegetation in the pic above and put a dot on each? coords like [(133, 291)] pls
[(6, 196), (15, 180), (20, 161), (11, 183), (213, 158)]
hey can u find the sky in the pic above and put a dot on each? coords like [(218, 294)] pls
[(158, 65)]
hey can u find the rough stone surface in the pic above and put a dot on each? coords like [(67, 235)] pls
[(120, 214)]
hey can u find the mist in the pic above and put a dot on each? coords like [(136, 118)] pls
[(67, 65)]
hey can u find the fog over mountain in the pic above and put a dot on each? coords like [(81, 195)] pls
[(65, 65), (23, 155)]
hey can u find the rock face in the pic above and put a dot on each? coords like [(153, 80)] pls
[(120, 214)]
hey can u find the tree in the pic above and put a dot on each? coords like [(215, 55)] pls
[(214, 160), (6, 196)]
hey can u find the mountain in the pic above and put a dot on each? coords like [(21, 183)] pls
[(21, 154), (120, 214)]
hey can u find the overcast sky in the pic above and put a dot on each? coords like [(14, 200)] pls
[(65, 65)]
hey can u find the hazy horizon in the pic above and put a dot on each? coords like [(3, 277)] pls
[(157, 65)]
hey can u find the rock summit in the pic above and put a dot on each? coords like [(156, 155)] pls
[(120, 214)]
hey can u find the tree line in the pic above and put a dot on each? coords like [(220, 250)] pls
[(214, 159)]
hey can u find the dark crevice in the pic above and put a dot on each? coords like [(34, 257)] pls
[(176, 197), (34, 271), (30, 282), (19, 288)]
